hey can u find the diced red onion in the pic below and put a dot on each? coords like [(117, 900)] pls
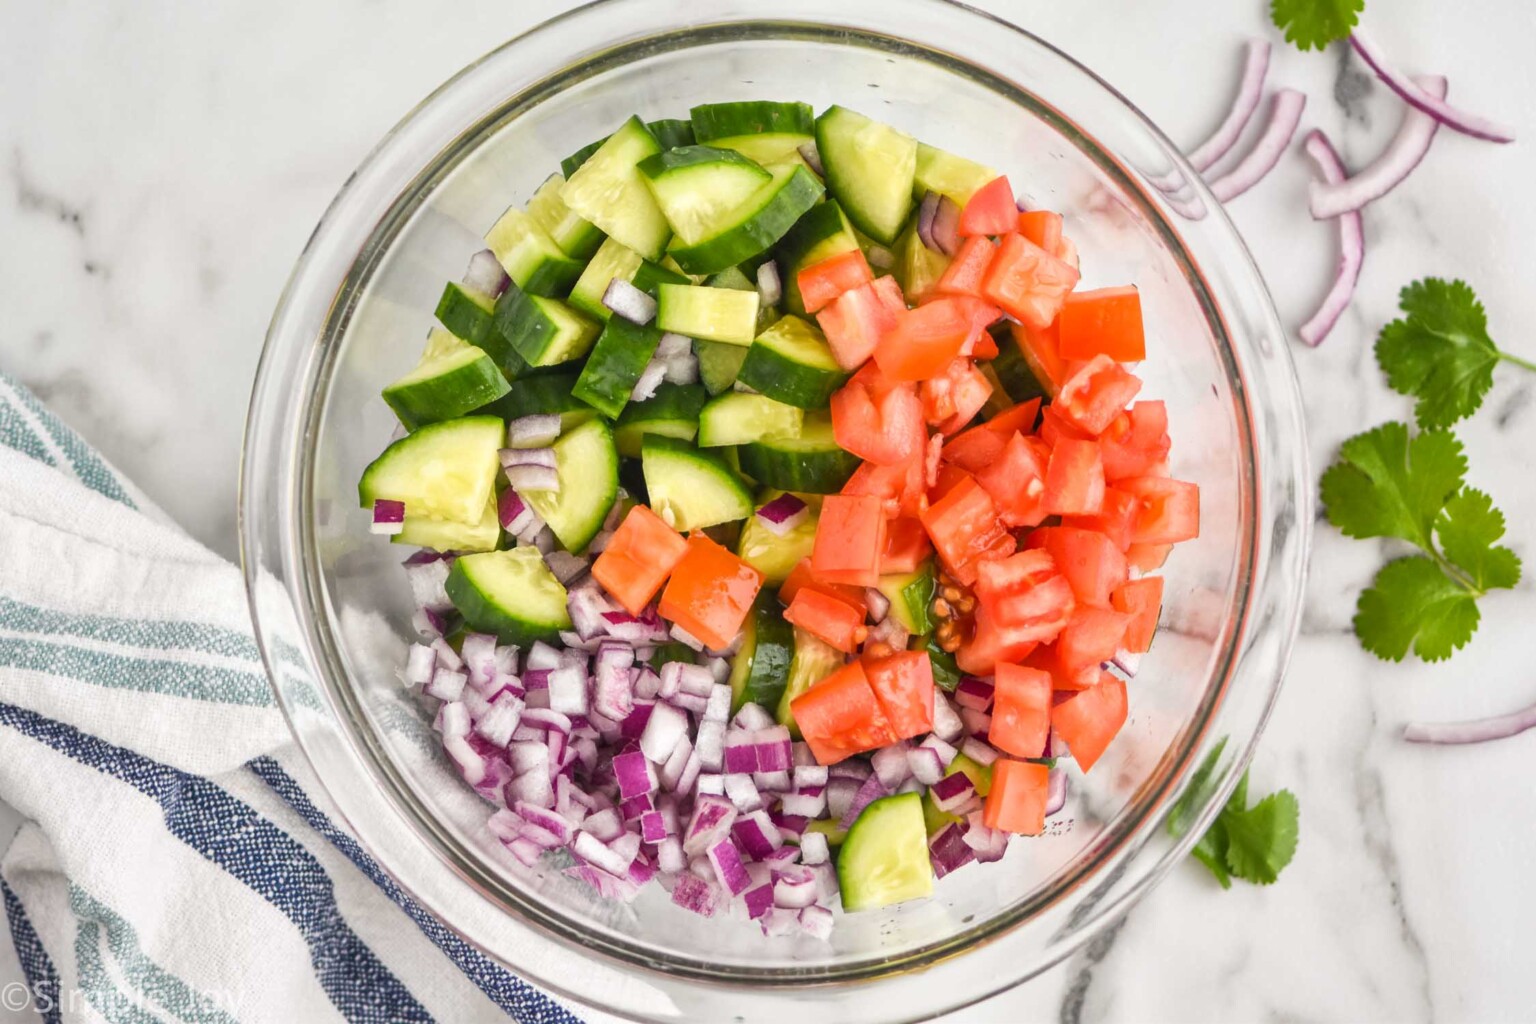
[(515, 515), (669, 855), (485, 274), (567, 688), (758, 900), (534, 786), (794, 893), (770, 288), (636, 774), (629, 302), (816, 922), (988, 844), (925, 764), (1056, 792), (1351, 246), (974, 693), (650, 379), (890, 764), (978, 751), (1127, 663), (427, 580), (691, 773), (812, 157), (528, 479), (683, 369), (710, 743), (1481, 730), (698, 895), (742, 793), (388, 517), (686, 638), (533, 432), (447, 657), (712, 818), (872, 790), (1414, 93), (419, 663), (814, 848), (946, 724), (771, 782), (586, 606), (718, 705), (589, 848), (879, 604), (783, 514), (1403, 154), (478, 652), (943, 231), (453, 720), (672, 345), (652, 828), (671, 771), (948, 850), (952, 791), (711, 783), (666, 727), (1284, 116), (543, 656), (498, 723), (753, 717), (806, 805), (428, 623), (756, 833), (647, 682), (977, 723), (612, 692), (726, 860), (740, 752)]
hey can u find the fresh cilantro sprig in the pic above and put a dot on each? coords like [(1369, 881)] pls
[(1388, 484), (1309, 23), (1440, 352), (1251, 843)]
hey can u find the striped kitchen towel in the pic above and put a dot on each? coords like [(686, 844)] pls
[(177, 859)]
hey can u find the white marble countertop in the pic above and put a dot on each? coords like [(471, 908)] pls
[(164, 164)]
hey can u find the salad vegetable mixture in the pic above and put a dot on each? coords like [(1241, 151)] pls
[(785, 511)]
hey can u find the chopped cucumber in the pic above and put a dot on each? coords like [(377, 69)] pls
[(588, 466), (530, 257), (814, 660), (918, 268), (710, 314), (577, 238), (752, 228), (616, 260), (468, 313), (543, 331), (442, 471), (673, 651), (691, 489), (765, 131), (792, 363), (617, 360), (496, 343), (775, 555), (761, 668), (733, 278), (453, 378), (884, 859), (811, 462), (719, 364), (696, 186), (1014, 371), (948, 175), (669, 133), (829, 828), (911, 597), (870, 170), (979, 774), (509, 593), (822, 233), (542, 396), (739, 418), (441, 535), (608, 190), (673, 411)]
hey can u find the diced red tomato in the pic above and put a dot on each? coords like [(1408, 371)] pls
[(1047, 659), (841, 716), (888, 291), (710, 592), (1094, 395), (828, 619), (878, 421), (1041, 350), (965, 271), (991, 210), (855, 322), (1027, 281), (982, 346), (906, 545), (1021, 710), (640, 555), (990, 644), (1015, 419), (1168, 511), (948, 478), (1074, 480), (1090, 719), (901, 488), (1066, 251), (1142, 600), (924, 340), (976, 449), (1016, 802), (1025, 595), (1092, 637), (803, 576), (965, 530), (1148, 557), (1103, 322), (1015, 478), (850, 538), (822, 282), (1054, 427), (1088, 559), (1043, 228), (954, 397), (1115, 520), (903, 684), (1136, 441)]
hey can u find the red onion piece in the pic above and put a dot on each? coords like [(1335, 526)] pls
[(485, 274), (946, 226), (1351, 246), (538, 431), (650, 379), (1244, 104), (867, 794), (513, 458), (534, 478), (880, 257), (948, 850), (973, 693), (783, 514), (388, 517), (672, 345), (623, 299), (879, 604), (1414, 94), (1482, 730), (1403, 154), (770, 287), (926, 211), (1056, 793), (682, 369), (812, 156), (1284, 115)]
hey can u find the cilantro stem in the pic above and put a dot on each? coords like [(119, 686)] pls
[(1454, 573), (1523, 363)]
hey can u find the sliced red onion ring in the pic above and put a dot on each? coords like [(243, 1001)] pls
[(770, 287), (538, 431), (533, 478), (1244, 104), (1482, 730), (926, 211), (1351, 246), (812, 156), (783, 514), (650, 379), (1404, 153), (1413, 93), (512, 458), (629, 302), (946, 226), (1284, 116), (388, 517), (486, 274)]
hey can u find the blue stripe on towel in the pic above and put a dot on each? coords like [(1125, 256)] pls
[(42, 978)]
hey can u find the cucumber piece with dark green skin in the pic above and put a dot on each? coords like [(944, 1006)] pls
[(617, 360), (608, 190), (616, 260), (884, 859), (948, 175), (709, 314), (543, 331), (752, 228), (443, 470), (775, 555), (673, 411), (761, 669), (696, 186), (509, 593), (911, 597), (791, 362), (918, 268), (544, 395), (813, 661), (651, 276), (737, 417), (588, 466), (669, 133), (468, 313), (691, 489), (530, 257), (453, 378), (768, 132), (743, 278), (1013, 371), (719, 364), (811, 462), (870, 169), (823, 232), (577, 238), (441, 535)]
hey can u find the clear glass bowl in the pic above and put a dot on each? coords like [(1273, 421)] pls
[(330, 603)]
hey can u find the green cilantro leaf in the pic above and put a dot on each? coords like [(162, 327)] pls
[(1261, 840), (1211, 851), (1414, 604), (1309, 23), (1468, 528), (1386, 485), (1440, 352)]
